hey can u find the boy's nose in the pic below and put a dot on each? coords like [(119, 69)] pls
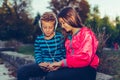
[(47, 29)]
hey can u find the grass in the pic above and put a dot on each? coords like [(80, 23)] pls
[(28, 50)]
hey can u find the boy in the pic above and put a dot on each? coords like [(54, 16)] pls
[(49, 47)]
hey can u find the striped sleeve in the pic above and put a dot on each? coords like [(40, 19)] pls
[(37, 50)]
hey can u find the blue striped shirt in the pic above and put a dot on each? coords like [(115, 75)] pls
[(46, 50)]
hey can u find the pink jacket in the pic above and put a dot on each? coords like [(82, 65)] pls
[(81, 50)]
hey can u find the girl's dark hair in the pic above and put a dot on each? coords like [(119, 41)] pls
[(71, 17)]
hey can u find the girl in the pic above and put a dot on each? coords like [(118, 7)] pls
[(81, 60)]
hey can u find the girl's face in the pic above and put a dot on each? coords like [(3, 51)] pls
[(48, 28), (64, 25)]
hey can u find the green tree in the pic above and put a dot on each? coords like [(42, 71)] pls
[(82, 7), (37, 30), (16, 21), (98, 25), (117, 20)]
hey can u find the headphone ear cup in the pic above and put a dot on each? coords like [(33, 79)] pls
[(56, 21), (39, 24), (56, 24)]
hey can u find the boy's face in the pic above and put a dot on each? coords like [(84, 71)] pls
[(48, 28)]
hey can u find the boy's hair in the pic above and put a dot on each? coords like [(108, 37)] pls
[(48, 16)]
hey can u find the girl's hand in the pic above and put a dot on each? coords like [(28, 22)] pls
[(55, 66)]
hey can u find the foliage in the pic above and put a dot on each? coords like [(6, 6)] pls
[(37, 30), (104, 29), (15, 21), (82, 7), (109, 63), (118, 29)]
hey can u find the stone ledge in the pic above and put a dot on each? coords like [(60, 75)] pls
[(18, 60), (102, 76)]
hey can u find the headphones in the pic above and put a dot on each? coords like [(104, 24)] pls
[(56, 22)]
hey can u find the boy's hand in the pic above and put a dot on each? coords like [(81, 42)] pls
[(44, 66)]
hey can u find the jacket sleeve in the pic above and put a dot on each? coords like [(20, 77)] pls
[(37, 51), (83, 55)]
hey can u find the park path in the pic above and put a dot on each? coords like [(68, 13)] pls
[(6, 72)]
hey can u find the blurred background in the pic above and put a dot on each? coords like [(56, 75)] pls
[(19, 26)]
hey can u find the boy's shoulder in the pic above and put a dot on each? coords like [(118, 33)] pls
[(58, 33), (40, 36)]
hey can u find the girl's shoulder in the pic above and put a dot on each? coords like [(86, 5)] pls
[(86, 29)]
